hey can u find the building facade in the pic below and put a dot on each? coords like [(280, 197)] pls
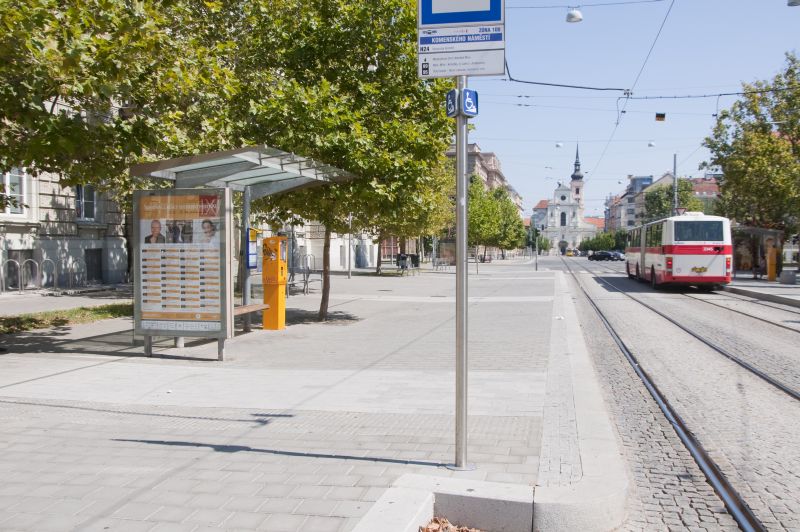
[(59, 236), (565, 226)]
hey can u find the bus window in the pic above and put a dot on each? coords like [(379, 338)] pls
[(697, 231)]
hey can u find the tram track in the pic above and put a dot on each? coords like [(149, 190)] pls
[(733, 501), (690, 296), (791, 392)]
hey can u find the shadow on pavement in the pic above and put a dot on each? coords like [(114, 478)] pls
[(257, 418), (300, 317), (244, 448), (115, 344)]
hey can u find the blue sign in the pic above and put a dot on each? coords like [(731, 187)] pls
[(458, 12), (452, 103), (469, 102)]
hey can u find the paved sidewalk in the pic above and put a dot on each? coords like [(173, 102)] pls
[(745, 285), (300, 429), (14, 303)]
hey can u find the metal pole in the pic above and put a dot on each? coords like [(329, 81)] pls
[(349, 244), (675, 184), (461, 285), (246, 255), (536, 249)]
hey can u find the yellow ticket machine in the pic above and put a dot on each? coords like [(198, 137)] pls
[(274, 277)]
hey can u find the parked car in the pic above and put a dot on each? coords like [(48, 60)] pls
[(617, 255), (601, 255)]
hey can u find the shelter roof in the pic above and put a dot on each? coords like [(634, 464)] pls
[(264, 169)]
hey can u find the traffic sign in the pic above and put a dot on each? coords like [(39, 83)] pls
[(460, 12), (461, 38), (452, 103), (469, 102)]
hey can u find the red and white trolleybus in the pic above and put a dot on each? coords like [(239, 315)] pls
[(691, 249)]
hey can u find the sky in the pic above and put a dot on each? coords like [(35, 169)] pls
[(705, 47)]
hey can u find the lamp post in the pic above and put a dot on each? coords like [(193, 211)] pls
[(349, 244), (675, 184)]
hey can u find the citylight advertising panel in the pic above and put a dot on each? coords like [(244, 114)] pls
[(183, 248)]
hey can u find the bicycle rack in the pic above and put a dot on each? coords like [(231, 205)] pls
[(19, 274), (38, 272), (72, 271), (55, 274)]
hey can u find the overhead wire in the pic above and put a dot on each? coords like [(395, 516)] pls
[(600, 4), (629, 92)]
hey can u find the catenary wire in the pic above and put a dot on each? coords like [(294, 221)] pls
[(601, 4), (629, 92)]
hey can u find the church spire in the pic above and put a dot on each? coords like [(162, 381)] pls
[(577, 174)]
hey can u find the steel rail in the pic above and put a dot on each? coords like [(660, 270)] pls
[(743, 313), (794, 394), (736, 505), (612, 270)]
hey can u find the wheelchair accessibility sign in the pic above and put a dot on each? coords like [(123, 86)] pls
[(464, 104), (452, 103), (469, 102)]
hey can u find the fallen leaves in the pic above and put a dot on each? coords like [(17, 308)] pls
[(440, 524)]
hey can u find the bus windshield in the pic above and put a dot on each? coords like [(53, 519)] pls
[(705, 231)]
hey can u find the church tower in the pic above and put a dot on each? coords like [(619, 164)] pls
[(577, 181)]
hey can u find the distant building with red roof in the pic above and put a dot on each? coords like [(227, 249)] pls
[(596, 221)]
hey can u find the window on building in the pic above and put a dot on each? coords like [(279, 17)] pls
[(563, 218), (631, 200), (577, 190), (85, 202), (631, 211), (14, 187)]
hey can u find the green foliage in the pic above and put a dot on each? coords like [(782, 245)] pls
[(91, 87), (493, 219), (482, 215), (658, 200), (511, 229), (601, 242), (757, 145), (85, 85)]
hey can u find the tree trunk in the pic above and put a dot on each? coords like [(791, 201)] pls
[(326, 276), (378, 260), (403, 245), (128, 228)]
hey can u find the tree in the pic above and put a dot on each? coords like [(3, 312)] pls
[(510, 227), (756, 143), (86, 83), (483, 215), (348, 94), (658, 201)]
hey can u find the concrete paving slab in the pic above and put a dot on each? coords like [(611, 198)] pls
[(329, 413)]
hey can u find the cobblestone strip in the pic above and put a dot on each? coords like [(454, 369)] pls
[(560, 461), (669, 490)]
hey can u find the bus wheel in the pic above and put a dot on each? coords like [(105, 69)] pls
[(638, 275), (628, 270), (653, 281)]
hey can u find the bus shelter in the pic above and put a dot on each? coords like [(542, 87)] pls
[(171, 262)]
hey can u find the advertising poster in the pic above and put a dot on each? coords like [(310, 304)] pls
[(182, 257)]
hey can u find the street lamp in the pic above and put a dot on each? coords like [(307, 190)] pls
[(674, 177), (574, 15)]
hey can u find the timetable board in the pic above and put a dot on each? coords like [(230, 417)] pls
[(182, 252)]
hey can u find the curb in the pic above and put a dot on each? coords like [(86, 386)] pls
[(413, 500), (761, 295), (597, 501)]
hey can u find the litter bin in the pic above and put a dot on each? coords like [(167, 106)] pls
[(414, 260)]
